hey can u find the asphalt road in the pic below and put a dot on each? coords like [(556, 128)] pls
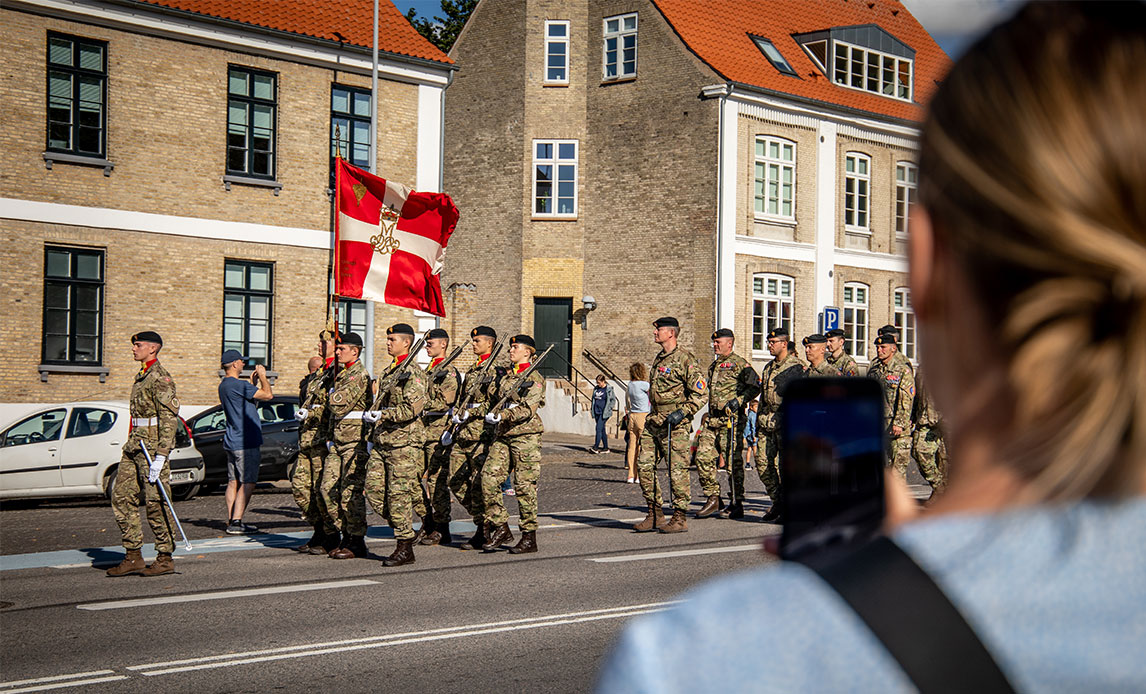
[(246, 615)]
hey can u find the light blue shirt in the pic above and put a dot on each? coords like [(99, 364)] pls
[(639, 396), (1058, 596)]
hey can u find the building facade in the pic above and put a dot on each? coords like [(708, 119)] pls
[(739, 165), (167, 166)]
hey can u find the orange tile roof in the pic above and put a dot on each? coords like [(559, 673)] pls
[(717, 31), (320, 19)]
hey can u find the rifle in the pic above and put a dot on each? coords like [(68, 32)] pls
[(481, 372), (440, 368), (523, 375), (390, 378)]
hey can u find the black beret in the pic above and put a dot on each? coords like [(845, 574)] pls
[(887, 339), (835, 332), (400, 329), (483, 330), (666, 322), (723, 332), (350, 339), (148, 336), (815, 339), (888, 330), (778, 332), (437, 333), (522, 340)]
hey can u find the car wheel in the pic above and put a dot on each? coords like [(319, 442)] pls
[(109, 482), (208, 488), (184, 492)]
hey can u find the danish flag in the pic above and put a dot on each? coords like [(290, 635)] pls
[(390, 241)]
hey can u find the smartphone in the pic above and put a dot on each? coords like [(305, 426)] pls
[(832, 452)]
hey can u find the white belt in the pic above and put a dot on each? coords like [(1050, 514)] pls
[(356, 414), (144, 421)]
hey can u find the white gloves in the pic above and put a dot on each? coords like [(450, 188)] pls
[(329, 446), (301, 414), (372, 415), (460, 417), (156, 468), (492, 418)]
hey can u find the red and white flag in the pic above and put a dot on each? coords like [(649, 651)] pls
[(390, 241)]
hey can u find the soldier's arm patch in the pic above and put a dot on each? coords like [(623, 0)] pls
[(701, 384)]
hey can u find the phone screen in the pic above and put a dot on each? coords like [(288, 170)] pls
[(831, 464)]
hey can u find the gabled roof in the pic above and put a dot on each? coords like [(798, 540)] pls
[(353, 19), (720, 33)]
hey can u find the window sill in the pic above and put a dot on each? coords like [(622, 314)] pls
[(248, 181), (272, 376), (780, 221), (855, 231), (79, 159), (554, 219), (45, 369), (554, 84), (618, 80)]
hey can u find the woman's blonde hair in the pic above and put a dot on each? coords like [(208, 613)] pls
[(1033, 170), (638, 372)]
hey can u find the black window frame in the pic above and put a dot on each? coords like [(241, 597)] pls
[(248, 101), (246, 293), (72, 283), (352, 118), (75, 72), (347, 325)]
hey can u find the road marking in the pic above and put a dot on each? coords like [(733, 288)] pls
[(222, 595), (306, 650), (681, 553), (57, 681)]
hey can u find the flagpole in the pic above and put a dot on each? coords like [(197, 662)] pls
[(332, 281), (369, 337)]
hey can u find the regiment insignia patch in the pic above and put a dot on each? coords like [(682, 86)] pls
[(701, 384)]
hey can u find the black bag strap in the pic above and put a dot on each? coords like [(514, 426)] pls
[(914, 620)]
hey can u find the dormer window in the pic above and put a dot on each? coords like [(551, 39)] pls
[(863, 57), (773, 55)]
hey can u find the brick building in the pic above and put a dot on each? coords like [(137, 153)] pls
[(166, 165), (735, 164)]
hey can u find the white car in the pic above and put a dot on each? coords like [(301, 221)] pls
[(73, 449)]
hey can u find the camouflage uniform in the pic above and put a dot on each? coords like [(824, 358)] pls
[(471, 443), (152, 399), (928, 447), (393, 478), (441, 393), (344, 472), (774, 378), (899, 396), (312, 439), (676, 382), (824, 370), (845, 363), (728, 377), (517, 444)]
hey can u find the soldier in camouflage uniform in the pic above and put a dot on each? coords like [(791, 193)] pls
[(393, 475), (777, 374), (927, 445), (442, 386), (837, 356), (815, 349), (677, 388), (473, 437), (516, 445), (344, 472), (899, 398), (154, 419), (312, 440), (732, 384)]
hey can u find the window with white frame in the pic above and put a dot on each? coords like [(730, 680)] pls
[(620, 47), (855, 319), (772, 297), (906, 181), (556, 52), (904, 320), (775, 178), (554, 178), (873, 71), (857, 186)]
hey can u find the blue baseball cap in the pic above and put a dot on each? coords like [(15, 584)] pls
[(232, 355)]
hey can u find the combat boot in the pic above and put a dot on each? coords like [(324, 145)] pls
[(354, 547), (427, 525), (132, 564), (314, 541), (655, 519), (710, 508), (330, 542), (403, 554), (775, 514), (527, 545), (501, 535), (477, 540), (677, 524), (736, 510), (162, 565)]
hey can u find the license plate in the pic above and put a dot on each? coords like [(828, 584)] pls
[(182, 476)]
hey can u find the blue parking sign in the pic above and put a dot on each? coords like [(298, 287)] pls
[(831, 318)]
